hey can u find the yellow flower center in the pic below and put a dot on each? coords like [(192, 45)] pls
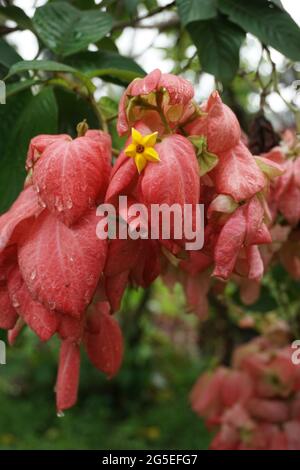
[(142, 149)]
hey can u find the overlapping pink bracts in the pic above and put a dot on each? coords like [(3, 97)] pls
[(172, 180), (234, 191), (173, 93), (254, 404), (72, 175), (57, 276), (283, 201), (51, 260)]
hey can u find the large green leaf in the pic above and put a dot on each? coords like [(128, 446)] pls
[(218, 42), (48, 66), (8, 116), (23, 117), (83, 4), (278, 3), (8, 55), (43, 65), (16, 14), (72, 109), (110, 66), (67, 30), (16, 87), (109, 107), (269, 23), (131, 6), (194, 10)]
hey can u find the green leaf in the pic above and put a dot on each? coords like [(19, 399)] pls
[(67, 30), (108, 106), (83, 4), (39, 65), (107, 44), (16, 14), (109, 109), (278, 3), (8, 56), (48, 66), (23, 117), (131, 6), (72, 110), (17, 87), (195, 10), (110, 66), (206, 160), (8, 116), (218, 42), (269, 23)]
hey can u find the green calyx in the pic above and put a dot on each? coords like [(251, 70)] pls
[(206, 160)]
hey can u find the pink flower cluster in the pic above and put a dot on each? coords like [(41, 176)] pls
[(283, 216), (51, 261), (58, 277), (255, 403)]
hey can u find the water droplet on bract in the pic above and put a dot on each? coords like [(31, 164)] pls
[(52, 305), (69, 204), (42, 204), (37, 188), (59, 205), (71, 259), (60, 414), (15, 302), (33, 275)]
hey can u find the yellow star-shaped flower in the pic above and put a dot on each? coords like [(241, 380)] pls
[(142, 149)]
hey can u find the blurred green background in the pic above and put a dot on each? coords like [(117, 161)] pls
[(144, 407)]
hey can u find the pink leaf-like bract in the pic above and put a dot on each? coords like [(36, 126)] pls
[(229, 243), (255, 216), (8, 315), (39, 143), (24, 207), (115, 287), (68, 375), (72, 176), (175, 93), (103, 341), (13, 334), (60, 265), (238, 174), (180, 91), (42, 321), (219, 125), (175, 179)]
